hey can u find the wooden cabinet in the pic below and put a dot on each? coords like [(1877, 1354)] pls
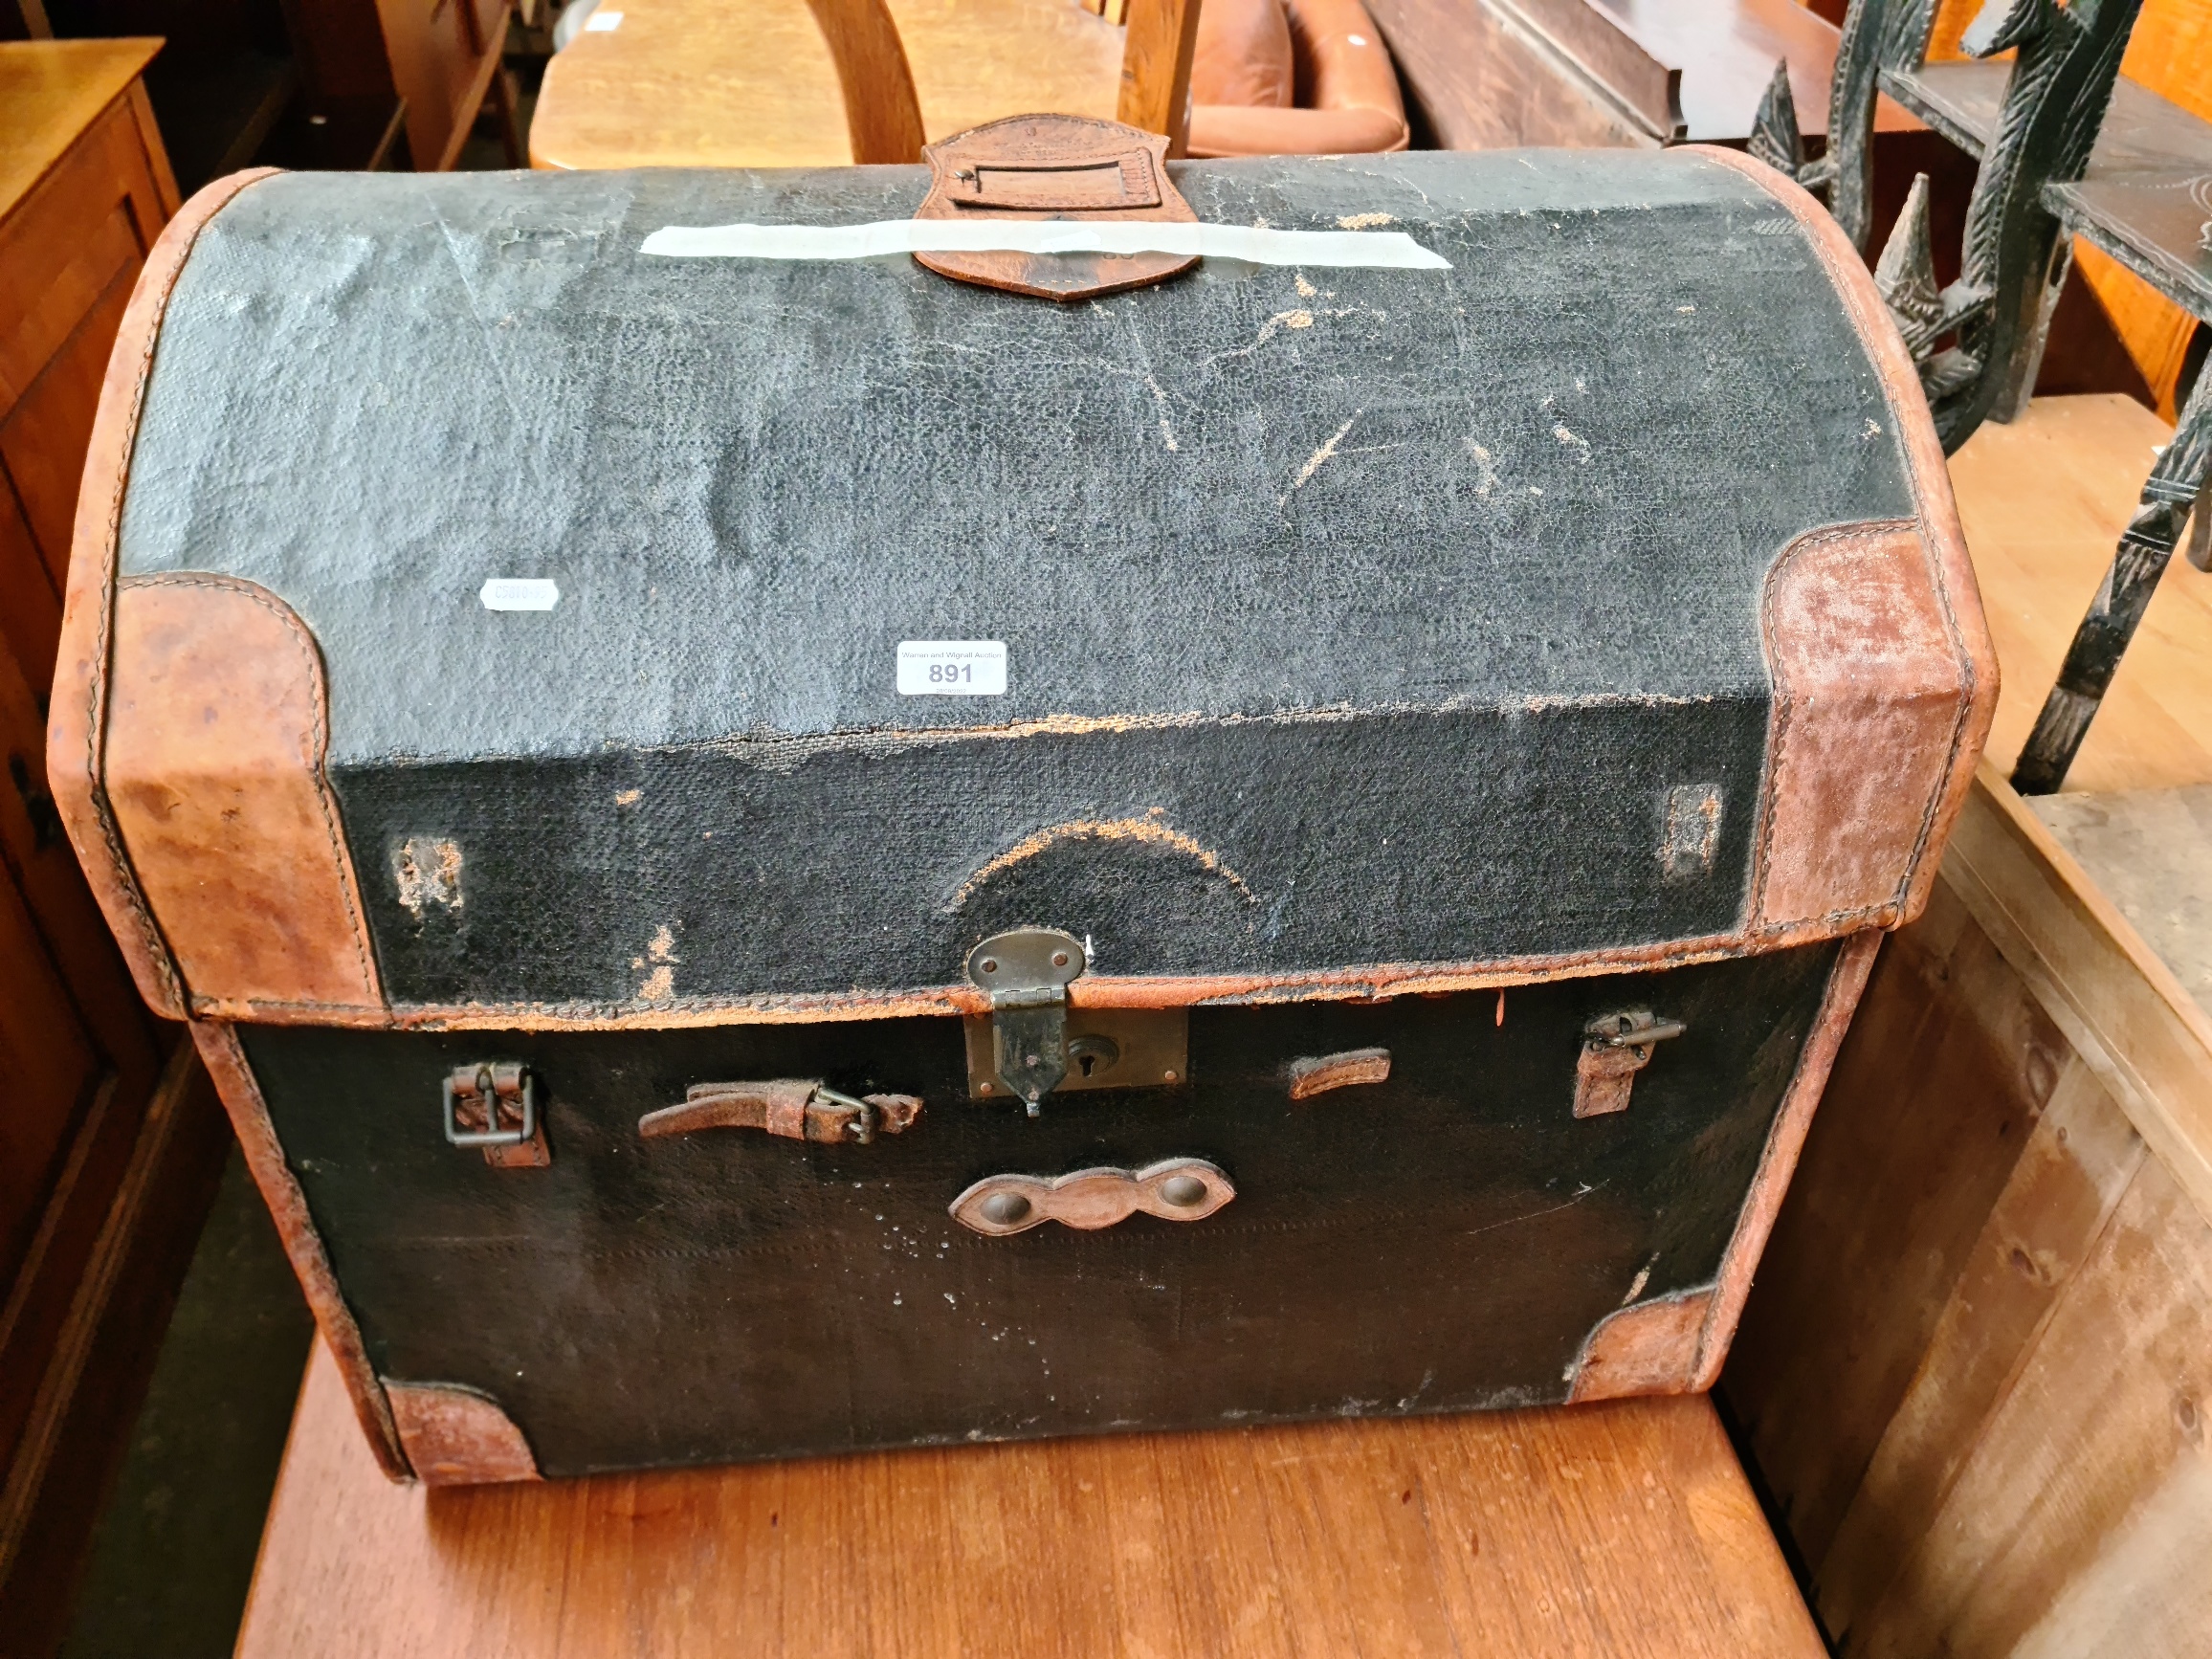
[(326, 84), (107, 1141)]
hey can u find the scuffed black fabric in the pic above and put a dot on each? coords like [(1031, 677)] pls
[(1504, 526), (1442, 1241)]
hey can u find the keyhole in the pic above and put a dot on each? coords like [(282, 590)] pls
[(1091, 1054)]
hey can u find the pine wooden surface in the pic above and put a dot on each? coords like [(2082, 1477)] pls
[(1623, 1530), (1975, 1370), (50, 92), (702, 84)]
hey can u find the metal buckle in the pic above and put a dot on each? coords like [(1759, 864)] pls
[(495, 1083), (1634, 1029)]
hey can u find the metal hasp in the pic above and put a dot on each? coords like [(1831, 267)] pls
[(1107, 1048), (492, 1105), (1615, 1047), (1026, 972)]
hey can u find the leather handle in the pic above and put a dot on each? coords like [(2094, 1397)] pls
[(1173, 1190), (797, 1109)]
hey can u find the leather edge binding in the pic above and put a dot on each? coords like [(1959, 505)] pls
[(1951, 567), (225, 1058), (1777, 1162), (1851, 777), (455, 1435), (1366, 982), (77, 725), (1677, 1345)]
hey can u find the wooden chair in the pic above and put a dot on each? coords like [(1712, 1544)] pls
[(1293, 77), (884, 116), (2065, 149)]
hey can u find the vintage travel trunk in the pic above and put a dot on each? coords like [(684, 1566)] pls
[(787, 839)]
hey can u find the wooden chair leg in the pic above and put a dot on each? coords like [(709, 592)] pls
[(2176, 483), (881, 112), (1155, 59), (2200, 529), (506, 99)]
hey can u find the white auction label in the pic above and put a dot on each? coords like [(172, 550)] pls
[(952, 668), (519, 594)]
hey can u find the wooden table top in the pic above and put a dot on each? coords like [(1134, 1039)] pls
[(50, 92), (706, 83), (1615, 1530)]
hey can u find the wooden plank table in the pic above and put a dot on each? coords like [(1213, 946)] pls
[(699, 85), (1625, 1530), (1974, 1369)]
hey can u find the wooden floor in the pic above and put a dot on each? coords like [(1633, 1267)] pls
[(1623, 1530), (2043, 502)]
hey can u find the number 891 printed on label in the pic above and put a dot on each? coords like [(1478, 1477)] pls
[(952, 668)]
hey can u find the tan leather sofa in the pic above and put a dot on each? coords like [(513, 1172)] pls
[(1293, 77)]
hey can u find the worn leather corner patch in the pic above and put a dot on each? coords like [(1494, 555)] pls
[(216, 731), (1649, 1348), (456, 1436)]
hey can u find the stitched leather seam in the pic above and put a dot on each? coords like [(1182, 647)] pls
[(302, 1240), (151, 941), (1760, 924), (1850, 285)]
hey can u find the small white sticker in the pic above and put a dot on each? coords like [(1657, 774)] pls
[(952, 668), (519, 594), (603, 23)]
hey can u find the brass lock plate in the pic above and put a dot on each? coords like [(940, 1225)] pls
[(1107, 1048)]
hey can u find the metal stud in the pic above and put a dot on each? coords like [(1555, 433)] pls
[(1005, 1209), (1183, 1191)]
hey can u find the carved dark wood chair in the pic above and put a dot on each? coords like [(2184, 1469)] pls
[(2065, 149)]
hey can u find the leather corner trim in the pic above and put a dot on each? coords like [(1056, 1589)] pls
[(1648, 1348), (457, 1436), (225, 1058), (1956, 589), (76, 727), (1784, 1141), (217, 730), (1869, 695)]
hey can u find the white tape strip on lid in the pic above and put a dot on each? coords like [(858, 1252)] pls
[(1387, 249)]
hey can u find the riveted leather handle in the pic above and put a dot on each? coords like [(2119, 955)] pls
[(1173, 1190)]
